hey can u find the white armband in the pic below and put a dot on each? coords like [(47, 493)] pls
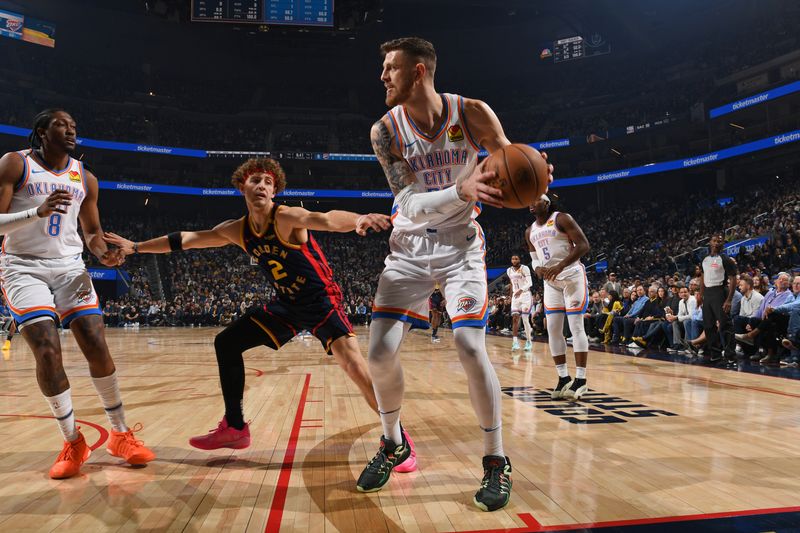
[(414, 204), (13, 221), (535, 261)]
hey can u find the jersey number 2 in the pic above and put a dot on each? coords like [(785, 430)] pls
[(54, 225), (277, 270)]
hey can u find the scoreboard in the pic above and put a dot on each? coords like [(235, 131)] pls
[(578, 47), (292, 12), (568, 49)]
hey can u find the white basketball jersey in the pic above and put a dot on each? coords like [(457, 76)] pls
[(436, 161), (57, 235), (520, 279), (552, 246)]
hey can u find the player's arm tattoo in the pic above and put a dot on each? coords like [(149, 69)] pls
[(397, 171)]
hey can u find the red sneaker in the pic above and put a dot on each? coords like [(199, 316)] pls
[(410, 464), (72, 456), (123, 444), (223, 437)]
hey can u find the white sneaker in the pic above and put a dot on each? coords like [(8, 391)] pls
[(515, 345), (633, 345)]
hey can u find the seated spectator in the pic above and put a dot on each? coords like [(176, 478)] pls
[(593, 314), (772, 328), (765, 332)]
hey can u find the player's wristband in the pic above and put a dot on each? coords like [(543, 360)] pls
[(136, 247)]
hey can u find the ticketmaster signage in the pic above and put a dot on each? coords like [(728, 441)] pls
[(734, 248), (651, 168), (198, 191), (756, 99), (666, 166)]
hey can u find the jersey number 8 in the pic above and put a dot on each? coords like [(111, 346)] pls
[(54, 225)]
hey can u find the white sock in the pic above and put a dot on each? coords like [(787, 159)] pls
[(562, 370), (516, 338), (580, 372), (484, 387), (385, 337), (526, 323), (61, 406), (391, 426), (108, 390), (493, 441)]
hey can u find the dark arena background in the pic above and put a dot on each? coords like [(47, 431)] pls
[(667, 122)]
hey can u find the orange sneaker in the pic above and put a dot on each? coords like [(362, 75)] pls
[(124, 444), (72, 456)]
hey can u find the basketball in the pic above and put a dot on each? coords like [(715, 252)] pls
[(521, 174)]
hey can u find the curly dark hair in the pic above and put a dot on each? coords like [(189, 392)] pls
[(260, 164)]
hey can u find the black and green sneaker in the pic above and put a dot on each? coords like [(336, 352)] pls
[(376, 474), (495, 488), (561, 387)]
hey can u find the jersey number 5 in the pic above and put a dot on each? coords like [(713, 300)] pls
[(277, 270), (546, 253)]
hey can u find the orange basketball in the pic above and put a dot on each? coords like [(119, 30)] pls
[(521, 174)]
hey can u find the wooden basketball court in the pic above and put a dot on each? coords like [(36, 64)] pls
[(656, 442)]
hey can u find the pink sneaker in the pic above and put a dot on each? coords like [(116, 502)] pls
[(410, 464), (223, 437)]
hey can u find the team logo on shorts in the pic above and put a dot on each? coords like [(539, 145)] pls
[(455, 133), (466, 304), (74, 176), (84, 295), (13, 25)]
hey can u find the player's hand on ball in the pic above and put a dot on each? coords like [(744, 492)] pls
[(372, 221), (477, 188), (550, 169), (57, 202), (124, 246)]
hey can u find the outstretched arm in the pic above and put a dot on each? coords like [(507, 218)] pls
[(338, 221), (221, 235)]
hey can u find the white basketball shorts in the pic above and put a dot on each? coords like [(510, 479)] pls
[(569, 293), (453, 257), (37, 289), (523, 304)]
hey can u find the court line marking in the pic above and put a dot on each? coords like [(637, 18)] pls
[(282, 487), (533, 526), (100, 429)]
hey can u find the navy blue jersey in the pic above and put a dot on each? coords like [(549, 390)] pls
[(298, 272)]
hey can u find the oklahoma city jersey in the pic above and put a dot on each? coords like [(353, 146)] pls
[(436, 161), (552, 246), (520, 279), (57, 235)]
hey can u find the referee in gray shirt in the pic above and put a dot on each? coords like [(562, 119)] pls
[(717, 286)]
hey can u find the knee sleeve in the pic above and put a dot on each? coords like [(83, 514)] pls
[(484, 387), (580, 343), (555, 334), (385, 337)]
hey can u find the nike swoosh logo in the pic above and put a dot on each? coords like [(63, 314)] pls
[(471, 237), (409, 145), (37, 171)]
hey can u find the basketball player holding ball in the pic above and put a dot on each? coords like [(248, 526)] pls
[(428, 146), (557, 243)]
